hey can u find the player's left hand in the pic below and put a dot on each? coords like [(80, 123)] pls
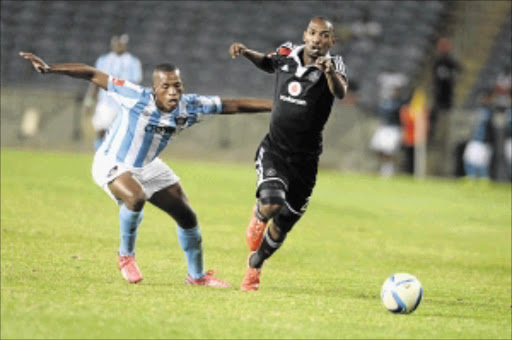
[(37, 62), (325, 64)]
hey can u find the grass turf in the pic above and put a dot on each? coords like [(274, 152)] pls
[(59, 236)]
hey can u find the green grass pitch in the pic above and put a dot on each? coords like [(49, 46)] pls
[(59, 237)]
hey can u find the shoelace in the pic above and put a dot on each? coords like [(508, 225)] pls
[(210, 272), (253, 274), (124, 260)]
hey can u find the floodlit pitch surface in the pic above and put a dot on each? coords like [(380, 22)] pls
[(59, 236)]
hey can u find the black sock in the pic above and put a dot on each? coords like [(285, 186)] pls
[(267, 248)]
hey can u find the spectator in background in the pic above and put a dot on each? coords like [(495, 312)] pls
[(411, 137), (502, 94), (478, 152), (388, 81), (503, 90), (120, 64), (386, 140), (444, 71), (507, 147)]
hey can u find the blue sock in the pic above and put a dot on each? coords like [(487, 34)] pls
[(469, 169), (128, 223), (190, 242)]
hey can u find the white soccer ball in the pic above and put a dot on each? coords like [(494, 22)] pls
[(401, 293)]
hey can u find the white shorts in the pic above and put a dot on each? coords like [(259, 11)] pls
[(153, 177), (386, 139), (106, 112), (477, 153)]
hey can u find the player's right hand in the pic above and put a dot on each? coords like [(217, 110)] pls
[(237, 49), (37, 62)]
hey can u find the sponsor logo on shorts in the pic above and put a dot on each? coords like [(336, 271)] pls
[(270, 172), (112, 171)]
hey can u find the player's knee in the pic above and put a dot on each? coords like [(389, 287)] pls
[(271, 199), (185, 217), (269, 210), (135, 201)]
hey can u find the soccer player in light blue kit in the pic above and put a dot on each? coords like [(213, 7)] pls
[(121, 64), (126, 165)]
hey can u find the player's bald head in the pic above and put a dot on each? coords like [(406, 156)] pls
[(162, 69), (322, 21), (166, 67)]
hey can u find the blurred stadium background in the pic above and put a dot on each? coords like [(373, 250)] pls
[(196, 36)]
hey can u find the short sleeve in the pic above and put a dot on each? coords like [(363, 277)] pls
[(210, 104), (339, 66), (123, 91), (198, 105), (281, 52)]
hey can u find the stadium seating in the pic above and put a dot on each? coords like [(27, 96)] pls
[(196, 36), (499, 59)]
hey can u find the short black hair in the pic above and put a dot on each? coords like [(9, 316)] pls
[(165, 67)]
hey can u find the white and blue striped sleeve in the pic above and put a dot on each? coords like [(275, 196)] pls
[(210, 104), (203, 104), (198, 105), (124, 92)]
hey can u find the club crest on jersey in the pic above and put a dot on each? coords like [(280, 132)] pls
[(314, 76), (294, 88)]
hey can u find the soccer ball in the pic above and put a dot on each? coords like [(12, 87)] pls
[(401, 293)]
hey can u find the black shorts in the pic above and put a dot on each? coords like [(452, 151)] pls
[(297, 173)]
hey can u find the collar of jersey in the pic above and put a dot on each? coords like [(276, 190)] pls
[(178, 111), (300, 68)]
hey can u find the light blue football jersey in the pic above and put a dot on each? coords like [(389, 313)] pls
[(141, 131), (125, 66)]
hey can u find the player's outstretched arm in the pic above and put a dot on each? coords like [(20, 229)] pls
[(230, 106), (257, 58), (73, 70)]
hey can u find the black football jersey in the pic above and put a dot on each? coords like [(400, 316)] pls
[(302, 100)]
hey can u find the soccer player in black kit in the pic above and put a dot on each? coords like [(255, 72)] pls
[(307, 80)]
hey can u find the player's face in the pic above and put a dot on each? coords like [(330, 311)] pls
[(168, 89), (318, 39)]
